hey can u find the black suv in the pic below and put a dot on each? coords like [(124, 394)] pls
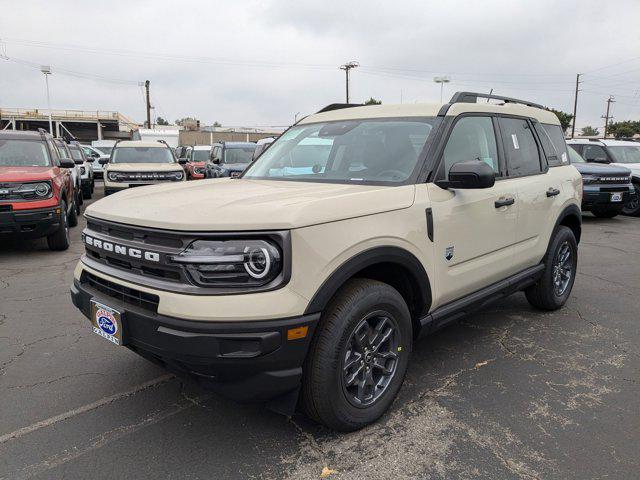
[(229, 159)]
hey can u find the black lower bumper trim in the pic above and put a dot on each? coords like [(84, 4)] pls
[(29, 223), (246, 361)]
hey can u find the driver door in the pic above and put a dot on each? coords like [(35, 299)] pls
[(474, 229)]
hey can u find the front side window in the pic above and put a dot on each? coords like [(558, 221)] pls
[(104, 150), (520, 147), (365, 151), (142, 155), (238, 154), (574, 157), (62, 150), (594, 153), (76, 154), (625, 153), (472, 138), (23, 153)]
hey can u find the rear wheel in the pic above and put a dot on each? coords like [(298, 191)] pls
[(561, 262), (632, 207), (86, 191), (59, 240), (358, 356)]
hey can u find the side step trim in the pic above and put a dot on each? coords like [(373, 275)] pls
[(457, 309)]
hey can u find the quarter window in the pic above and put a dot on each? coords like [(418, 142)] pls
[(556, 135), (523, 157), (472, 138)]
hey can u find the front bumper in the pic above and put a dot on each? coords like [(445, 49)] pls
[(30, 223), (598, 197), (249, 361)]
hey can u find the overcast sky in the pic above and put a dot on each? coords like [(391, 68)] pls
[(260, 62)]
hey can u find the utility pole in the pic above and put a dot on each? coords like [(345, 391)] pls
[(346, 67), (46, 70), (146, 87), (610, 100), (575, 106)]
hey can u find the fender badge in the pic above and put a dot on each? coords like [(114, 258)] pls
[(448, 253)]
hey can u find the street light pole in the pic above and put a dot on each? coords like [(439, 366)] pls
[(441, 81), (46, 70)]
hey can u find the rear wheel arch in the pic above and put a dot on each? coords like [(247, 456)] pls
[(570, 217), (394, 266)]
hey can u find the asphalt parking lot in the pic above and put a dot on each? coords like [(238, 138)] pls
[(507, 393)]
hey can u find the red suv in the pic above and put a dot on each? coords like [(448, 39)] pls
[(37, 197)]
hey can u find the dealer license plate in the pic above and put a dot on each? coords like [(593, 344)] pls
[(616, 197), (106, 322)]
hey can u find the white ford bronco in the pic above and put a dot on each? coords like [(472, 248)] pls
[(304, 282)]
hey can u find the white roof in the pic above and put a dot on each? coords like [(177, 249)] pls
[(140, 143), (602, 141), (202, 147), (430, 110)]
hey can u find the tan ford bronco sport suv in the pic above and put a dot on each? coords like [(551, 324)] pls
[(305, 281)]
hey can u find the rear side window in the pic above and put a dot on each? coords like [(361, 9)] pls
[(472, 138), (556, 137), (520, 147)]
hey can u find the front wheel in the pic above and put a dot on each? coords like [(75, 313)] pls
[(59, 240), (561, 263), (358, 357), (632, 207), (73, 213)]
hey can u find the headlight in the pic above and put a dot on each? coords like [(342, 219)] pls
[(38, 190), (587, 179), (198, 170), (231, 263), (113, 176)]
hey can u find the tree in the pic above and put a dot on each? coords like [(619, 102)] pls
[(373, 101), (628, 128), (217, 124), (589, 131), (564, 117), (180, 121), (161, 121)]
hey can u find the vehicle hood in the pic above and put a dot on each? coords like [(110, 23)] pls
[(25, 174), (600, 169), (143, 167), (234, 167), (634, 167), (236, 204)]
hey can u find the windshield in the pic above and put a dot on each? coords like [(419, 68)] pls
[(574, 157), (105, 150), (354, 151), (625, 154), (23, 153), (238, 154), (200, 155), (142, 155), (75, 153)]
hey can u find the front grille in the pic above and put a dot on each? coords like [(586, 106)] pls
[(129, 296), (146, 176), (612, 179)]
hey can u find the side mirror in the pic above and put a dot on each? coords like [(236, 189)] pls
[(103, 161), (79, 162), (182, 161), (472, 174), (95, 155), (216, 161), (91, 159), (67, 163)]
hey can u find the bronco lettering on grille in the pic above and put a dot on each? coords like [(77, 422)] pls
[(122, 249)]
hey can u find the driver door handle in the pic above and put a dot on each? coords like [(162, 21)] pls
[(504, 202), (552, 192)]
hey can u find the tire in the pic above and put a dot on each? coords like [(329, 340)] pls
[(632, 207), (86, 192), (80, 198), (546, 294), (604, 213), (357, 307), (60, 239), (73, 214)]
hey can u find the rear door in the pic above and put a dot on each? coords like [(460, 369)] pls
[(474, 229), (539, 191)]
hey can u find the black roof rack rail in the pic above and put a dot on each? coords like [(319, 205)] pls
[(339, 106), (472, 97), (164, 142)]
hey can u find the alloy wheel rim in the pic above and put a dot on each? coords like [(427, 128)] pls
[(370, 360), (562, 269), (632, 204)]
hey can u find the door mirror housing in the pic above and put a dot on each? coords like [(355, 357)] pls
[(182, 161), (103, 161), (471, 174), (79, 162), (91, 159), (67, 163)]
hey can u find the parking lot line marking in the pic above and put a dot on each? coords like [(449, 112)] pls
[(83, 409)]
